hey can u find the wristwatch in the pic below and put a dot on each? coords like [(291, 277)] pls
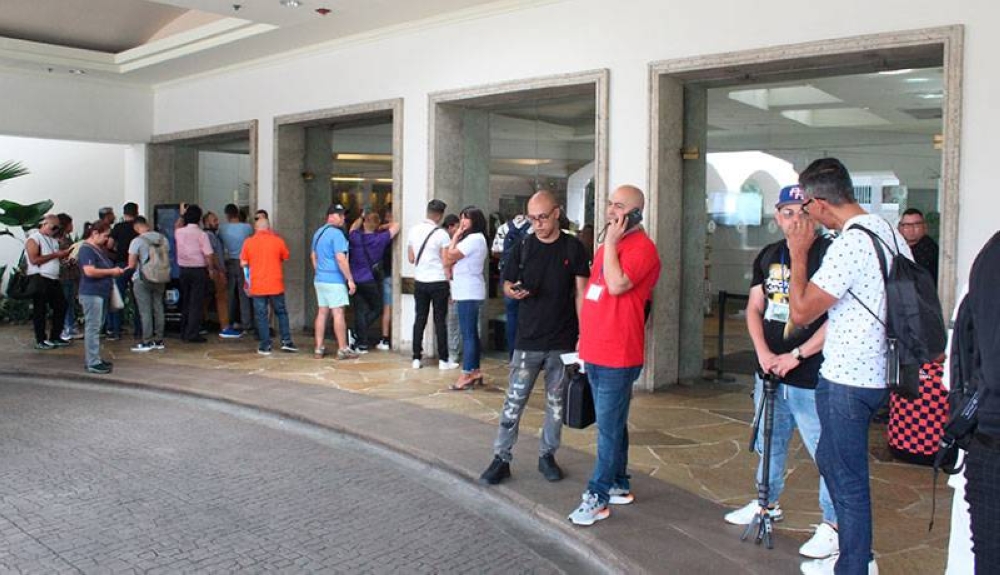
[(797, 354)]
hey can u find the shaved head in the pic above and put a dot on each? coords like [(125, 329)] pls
[(630, 195), (542, 201)]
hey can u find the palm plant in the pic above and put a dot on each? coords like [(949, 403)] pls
[(11, 169), (15, 214)]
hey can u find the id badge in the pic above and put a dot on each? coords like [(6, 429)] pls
[(594, 292), (777, 311)]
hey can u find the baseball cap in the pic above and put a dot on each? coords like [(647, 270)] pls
[(791, 195), (335, 209), (436, 206)]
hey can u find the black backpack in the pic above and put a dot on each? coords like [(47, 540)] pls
[(515, 235), (914, 323)]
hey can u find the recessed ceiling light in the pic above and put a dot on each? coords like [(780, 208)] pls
[(290, 3), (895, 72), (931, 96), (917, 80), (77, 71)]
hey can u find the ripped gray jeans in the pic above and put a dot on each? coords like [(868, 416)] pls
[(524, 368)]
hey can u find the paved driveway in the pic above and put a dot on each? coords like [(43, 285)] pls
[(98, 480)]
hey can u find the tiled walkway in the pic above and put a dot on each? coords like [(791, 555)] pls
[(691, 437)]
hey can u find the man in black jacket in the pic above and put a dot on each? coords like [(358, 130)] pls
[(983, 459)]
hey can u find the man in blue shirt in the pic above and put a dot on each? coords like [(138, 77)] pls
[(233, 233), (334, 282)]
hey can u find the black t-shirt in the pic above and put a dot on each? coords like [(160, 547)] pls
[(925, 253), (771, 272), (546, 319), (123, 233)]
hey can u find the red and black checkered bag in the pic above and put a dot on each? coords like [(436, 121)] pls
[(916, 425)]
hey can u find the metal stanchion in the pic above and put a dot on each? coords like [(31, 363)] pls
[(720, 376)]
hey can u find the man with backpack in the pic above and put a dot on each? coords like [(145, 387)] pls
[(547, 274), (508, 236), (850, 286), (149, 257)]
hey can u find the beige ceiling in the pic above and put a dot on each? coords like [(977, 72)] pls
[(145, 42)]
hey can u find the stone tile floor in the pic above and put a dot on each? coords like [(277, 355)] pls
[(694, 437)]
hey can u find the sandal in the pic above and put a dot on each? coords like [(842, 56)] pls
[(464, 383)]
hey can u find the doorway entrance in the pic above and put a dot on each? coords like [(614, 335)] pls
[(350, 155), (888, 105)]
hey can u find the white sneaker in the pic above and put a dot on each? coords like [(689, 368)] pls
[(744, 515), (825, 566), (824, 543), (620, 496), (416, 364), (445, 365), (590, 510)]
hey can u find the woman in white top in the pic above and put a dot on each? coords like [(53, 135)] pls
[(466, 254)]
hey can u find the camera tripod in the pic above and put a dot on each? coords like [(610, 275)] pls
[(762, 522)]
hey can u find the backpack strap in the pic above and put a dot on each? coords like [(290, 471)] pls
[(416, 261), (876, 240)]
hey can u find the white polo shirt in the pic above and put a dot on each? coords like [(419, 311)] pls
[(854, 350), (430, 268)]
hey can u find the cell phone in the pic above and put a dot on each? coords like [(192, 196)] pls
[(517, 287), (632, 218)]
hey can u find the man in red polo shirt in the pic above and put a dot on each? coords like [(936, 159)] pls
[(263, 255), (612, 344)]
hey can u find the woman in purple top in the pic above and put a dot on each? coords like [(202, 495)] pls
[(367, 242)]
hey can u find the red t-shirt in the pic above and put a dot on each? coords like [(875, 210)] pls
[(265, 251), (612, 328)]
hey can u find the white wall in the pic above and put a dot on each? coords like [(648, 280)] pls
[(79, 177), (578, 35), (62, 106)]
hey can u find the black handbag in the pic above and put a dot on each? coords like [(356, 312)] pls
[(578, 401), (23, 286)]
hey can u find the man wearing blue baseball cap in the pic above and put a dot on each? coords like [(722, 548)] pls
[(793, 355)]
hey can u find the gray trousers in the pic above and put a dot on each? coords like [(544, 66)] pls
[(454, 335), (149, 302), (93, 317), (235, 293), (524, 368)]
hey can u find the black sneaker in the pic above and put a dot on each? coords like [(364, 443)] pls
[(496, 472), (548, 467), (58, 342), (289, 347), (264, 350), (44, 345), (101, 368)]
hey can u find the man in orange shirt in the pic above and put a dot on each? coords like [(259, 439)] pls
[(262, 258)]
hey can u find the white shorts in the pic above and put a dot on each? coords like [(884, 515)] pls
[(331, 295)]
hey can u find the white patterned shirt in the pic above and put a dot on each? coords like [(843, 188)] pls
[(854, 350)]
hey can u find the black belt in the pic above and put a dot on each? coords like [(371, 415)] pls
[(988, 441)]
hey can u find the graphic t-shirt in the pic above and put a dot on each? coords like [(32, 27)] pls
[(327, 242), (612, 327), (547, 319), (772, 270)]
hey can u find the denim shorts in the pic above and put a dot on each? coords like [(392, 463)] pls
[(331, 295), (387, 290)]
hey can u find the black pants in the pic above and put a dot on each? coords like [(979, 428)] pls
[(424, 294), (982, 491), (367, 304), (194, 286), (49, 296)]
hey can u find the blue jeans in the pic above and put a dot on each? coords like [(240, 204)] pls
[(468, 325), (842, 456), (264, 326), (612, 390), (69, 289), (794, 407)]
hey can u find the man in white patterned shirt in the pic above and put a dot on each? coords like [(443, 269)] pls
[(852, 378)]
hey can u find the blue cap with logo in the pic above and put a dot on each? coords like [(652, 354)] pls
[(791, 195)]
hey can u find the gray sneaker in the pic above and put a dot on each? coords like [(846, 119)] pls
[(347, 353), (590, 511), (620, 496)]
